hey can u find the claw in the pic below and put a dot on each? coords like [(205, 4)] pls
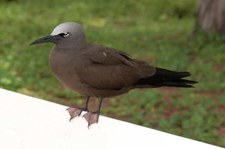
[(91, 118), (74, 112)]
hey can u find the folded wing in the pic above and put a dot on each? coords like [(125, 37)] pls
[(107, 68)]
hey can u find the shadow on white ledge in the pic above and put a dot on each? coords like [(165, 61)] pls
[(31, 123)]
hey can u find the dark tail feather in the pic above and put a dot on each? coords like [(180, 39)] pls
[(168, 78)]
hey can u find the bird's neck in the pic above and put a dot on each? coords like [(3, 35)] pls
[(76, 47)]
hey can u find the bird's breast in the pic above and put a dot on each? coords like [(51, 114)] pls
[(62, 66)]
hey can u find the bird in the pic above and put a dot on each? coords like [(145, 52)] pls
[(98, 71)]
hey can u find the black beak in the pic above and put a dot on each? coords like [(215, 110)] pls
[(49, 38)]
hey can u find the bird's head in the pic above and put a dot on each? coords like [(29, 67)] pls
[(65, 35)]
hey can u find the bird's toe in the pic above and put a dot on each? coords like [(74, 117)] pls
[(91, 118), (74, 112)]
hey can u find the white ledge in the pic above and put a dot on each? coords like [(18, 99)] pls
[(31, 123)]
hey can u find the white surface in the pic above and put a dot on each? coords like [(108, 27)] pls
[(31, 123)]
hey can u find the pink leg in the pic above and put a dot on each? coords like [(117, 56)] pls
[(75, 112), (92, 117)]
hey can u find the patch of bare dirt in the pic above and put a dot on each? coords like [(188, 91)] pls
[(210, 93), (221, 129), (169, 93), (219, 67)]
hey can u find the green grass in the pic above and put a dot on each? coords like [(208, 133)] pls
[(157, 31)]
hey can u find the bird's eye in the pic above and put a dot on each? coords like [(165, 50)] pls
[(64, 35)]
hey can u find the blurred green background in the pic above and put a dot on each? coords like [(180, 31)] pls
[(157, 31)]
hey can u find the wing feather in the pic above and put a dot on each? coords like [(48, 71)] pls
[(107, 68)]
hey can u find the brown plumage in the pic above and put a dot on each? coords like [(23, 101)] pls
[(98, 71)]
